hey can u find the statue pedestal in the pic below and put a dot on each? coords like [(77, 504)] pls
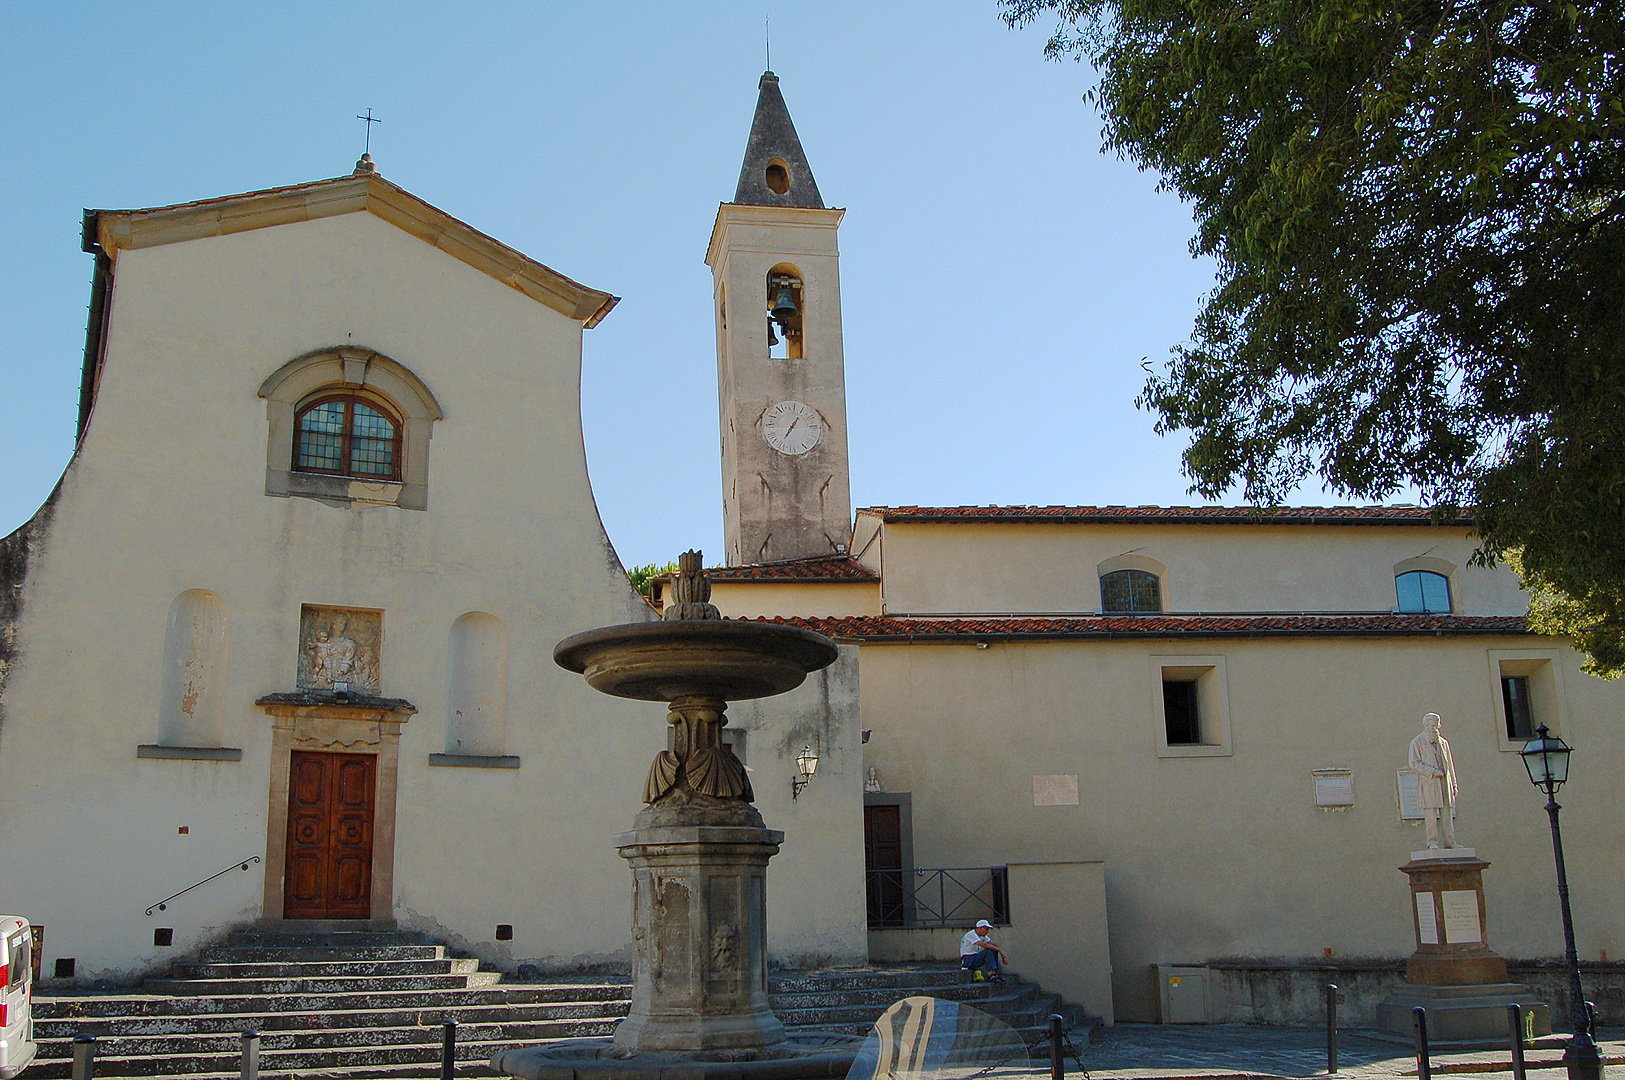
[(699, 932), (1453, 973)]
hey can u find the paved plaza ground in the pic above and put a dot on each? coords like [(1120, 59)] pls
[(1165, 1052)]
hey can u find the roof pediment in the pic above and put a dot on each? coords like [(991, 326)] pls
[(117, 230)]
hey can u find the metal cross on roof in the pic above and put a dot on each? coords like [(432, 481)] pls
[(371, 120)]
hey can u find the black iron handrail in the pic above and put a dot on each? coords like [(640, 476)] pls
[(163, 904), (939, 896)]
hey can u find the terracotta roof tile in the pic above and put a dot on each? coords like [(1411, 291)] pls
[(883, 629), (819, 568), (1194, 515)]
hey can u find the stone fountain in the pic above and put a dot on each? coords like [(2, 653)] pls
[(699, 852)]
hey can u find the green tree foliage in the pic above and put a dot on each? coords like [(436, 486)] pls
[(1417, 208), (642, 576)]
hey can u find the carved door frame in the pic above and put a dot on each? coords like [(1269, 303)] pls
[(334, 727)]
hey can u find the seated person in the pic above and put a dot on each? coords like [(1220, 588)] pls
[(979, 953)]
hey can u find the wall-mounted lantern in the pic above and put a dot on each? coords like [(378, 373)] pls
[(806, 766)]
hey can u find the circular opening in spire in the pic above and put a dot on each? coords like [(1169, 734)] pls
[(778, 177)]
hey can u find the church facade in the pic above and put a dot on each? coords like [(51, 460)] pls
[(293, 603)]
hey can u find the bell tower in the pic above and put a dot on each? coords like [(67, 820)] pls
[(780, 373)]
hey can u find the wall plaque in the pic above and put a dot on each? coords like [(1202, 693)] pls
[(1055, 790), (1333, 788), (340, 645), (1408, 808), (1427, 927), (1461, 916)]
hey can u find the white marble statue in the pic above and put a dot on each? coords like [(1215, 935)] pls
[(1436, 787)]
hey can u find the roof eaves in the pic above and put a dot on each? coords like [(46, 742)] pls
[(228, 214)]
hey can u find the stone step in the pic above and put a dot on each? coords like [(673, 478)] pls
[(230, 1043), (234, 1024), (324, 938), (326, 969), (185, 1004), (246, 987), (329, 1002), (878, 998), (865, 978), (256, 954), (305, 1063)]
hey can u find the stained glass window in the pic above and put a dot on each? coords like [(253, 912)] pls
[(1130, 590), (347, 436)]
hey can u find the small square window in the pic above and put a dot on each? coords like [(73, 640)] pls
[(1191, 706), (1528, 691), (1181, 715)]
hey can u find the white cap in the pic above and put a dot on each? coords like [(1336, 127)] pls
[(980, 923)]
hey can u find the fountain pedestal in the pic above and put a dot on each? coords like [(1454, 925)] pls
[(698, 853), (699, 931)]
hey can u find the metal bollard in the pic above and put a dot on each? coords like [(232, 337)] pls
[(1515, 1027), (1424, 1065), (1333, 997), (84, 1056), (448, 1050), (251, 1055), (1057, 1066)]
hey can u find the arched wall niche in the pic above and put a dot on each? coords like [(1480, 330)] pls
[(477, 688), (192, 701)]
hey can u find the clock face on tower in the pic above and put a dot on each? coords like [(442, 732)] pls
[(791, 427)]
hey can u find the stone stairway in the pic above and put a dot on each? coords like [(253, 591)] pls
[(355, 1005)]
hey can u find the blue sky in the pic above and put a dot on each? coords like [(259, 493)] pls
[(1002, 279)]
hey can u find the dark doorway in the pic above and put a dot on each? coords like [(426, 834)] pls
[(883, 863), (331, 798)]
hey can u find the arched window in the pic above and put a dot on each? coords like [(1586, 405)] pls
[(338, 416), (1130, 590), (1422, 592), (347, 435)]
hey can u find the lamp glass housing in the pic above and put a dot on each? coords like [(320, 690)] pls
[(1546, 756), (807, 762)]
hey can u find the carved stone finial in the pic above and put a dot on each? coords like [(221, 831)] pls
[(690, 591), (364, 166)]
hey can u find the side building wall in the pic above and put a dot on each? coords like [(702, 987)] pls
[(1227, 855)]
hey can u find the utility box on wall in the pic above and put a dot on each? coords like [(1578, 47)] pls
[(1182, 994)]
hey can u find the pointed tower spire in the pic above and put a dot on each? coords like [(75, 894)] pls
[(775, 172)]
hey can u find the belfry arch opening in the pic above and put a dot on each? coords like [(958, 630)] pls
[(786, 313)]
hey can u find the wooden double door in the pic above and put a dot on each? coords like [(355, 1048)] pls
[(331, 803)]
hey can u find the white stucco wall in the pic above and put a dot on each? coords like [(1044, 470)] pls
[(1037, 567), (1229, 856), (167, 494)]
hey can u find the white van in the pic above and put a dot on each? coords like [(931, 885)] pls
[(16, 996)]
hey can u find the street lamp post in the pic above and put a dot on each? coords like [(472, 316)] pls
[(1547, 758)]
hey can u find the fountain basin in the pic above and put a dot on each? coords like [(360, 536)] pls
[(664, 661)]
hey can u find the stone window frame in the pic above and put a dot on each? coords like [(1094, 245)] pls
[(1213, 704), (1544, 670), (364, 373), (1433, 565), (1142, 563)]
